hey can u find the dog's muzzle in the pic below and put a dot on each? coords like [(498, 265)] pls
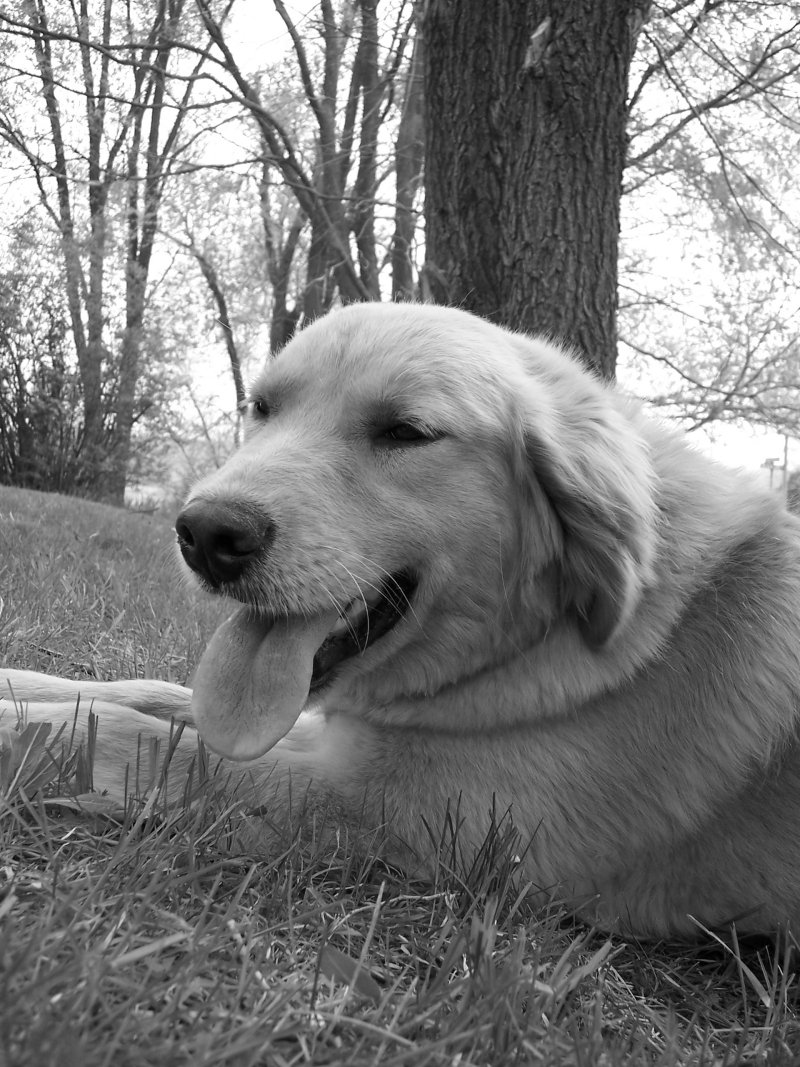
[(219, 539)]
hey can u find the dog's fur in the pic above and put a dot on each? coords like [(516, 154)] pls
[(604, 640)]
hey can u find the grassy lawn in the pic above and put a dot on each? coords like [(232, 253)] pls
[(158, 941)]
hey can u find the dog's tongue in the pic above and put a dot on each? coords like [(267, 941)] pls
[(253, 680)]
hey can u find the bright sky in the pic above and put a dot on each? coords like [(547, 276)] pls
[(257, 27), (748, 449)]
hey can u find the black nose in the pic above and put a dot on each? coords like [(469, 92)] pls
[(219, 538)]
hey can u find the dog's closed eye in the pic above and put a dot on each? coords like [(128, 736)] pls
[(404, 435)]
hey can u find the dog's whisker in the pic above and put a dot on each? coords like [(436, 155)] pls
[(363, 601), (342, 605), (388, 578)]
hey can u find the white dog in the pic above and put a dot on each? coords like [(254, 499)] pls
[(472, 579)]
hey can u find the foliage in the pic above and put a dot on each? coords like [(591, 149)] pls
[(41, 428), (710, 267), (95, 104), (322, 135), (151, 937), (213, 223), (40, 436)]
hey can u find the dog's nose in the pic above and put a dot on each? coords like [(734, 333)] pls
[(219, 538)]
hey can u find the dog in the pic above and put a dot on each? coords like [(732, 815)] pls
[(472, 582)]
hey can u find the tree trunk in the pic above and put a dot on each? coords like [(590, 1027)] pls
[(209, 272), (363, 209), (408, 154), (525, 116), (284, 319)]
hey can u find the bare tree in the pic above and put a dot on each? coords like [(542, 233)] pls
[(331, 162), (117, 58), (710, 318), (733, 356), (409, 156), (282, 224), (212, 280)]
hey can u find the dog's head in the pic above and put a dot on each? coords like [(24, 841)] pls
[(420, 496)]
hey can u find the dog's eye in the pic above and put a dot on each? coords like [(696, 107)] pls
[(260, 408), (404, 434)]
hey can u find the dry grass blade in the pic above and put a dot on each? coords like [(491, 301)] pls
[(26, 763)]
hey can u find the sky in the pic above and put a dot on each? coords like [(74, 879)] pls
[(258, 28), (748, 448)]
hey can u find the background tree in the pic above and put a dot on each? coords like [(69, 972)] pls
[(409, 154), (39, 387), (710, 268), (347, 64), (101, 186), (526, 113), (529, 112)]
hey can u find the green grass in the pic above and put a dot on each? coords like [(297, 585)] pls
[(156, 940)]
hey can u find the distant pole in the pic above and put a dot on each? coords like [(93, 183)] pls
[(770, 464), (785, 483)]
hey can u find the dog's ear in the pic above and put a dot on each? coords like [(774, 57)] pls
[(588, 455)]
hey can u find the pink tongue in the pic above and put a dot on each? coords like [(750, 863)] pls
[(253, 680)]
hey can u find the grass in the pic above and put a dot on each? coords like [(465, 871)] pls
[(153, 938)]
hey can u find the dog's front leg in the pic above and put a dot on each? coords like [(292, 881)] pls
[(137, 729), (136, 725), (162, 700)]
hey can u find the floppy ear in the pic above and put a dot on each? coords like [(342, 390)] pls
[(589, 457)]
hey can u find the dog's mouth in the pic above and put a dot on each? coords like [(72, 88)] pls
[(365, 620), (257, 671)]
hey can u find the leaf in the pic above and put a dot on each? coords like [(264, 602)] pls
[(24, 760), (339, 967), (90, 804), (758, 986)]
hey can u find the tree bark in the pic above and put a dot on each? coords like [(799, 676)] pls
[(363, 210), (525, 115), (409, 151)]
